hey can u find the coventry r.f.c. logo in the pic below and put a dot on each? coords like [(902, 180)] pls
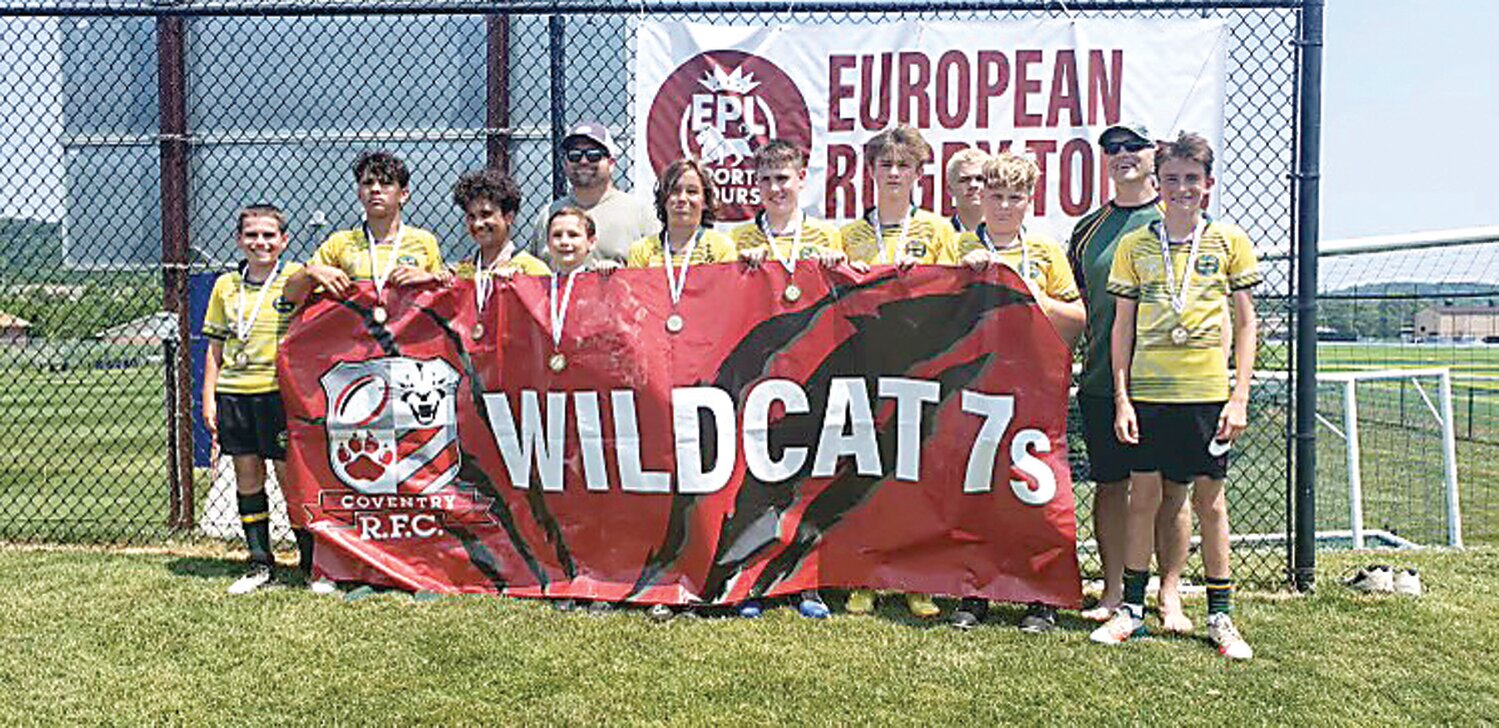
[(392, 425)]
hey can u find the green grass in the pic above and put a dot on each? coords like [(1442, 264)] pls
[(101, 637)]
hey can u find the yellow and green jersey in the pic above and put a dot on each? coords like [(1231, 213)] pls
[(1195, 370), (714, 247), (929, 238), (1037, 258), (523, 262), (349, 251), (249, 365), (817, 237)]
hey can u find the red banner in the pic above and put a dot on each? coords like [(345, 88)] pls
[(892, 430)]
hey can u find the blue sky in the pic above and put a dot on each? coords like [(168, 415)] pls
[(1410, 135)]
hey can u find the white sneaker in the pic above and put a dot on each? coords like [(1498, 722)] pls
[(322, 586), (1224, 636), (1119, 629), (258, 576), (1408, 582), (1378, 579)]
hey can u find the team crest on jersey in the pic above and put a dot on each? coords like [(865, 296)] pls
[(284, 306), (718, 107), (916, 248), (407, 260), (1031, 269), (392, 424), (1208, 265)]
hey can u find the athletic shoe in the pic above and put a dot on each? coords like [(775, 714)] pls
[(1039, 619), (750, 609), (564, 605), (1099, 613), (970, 613), (860, 601), (812, 606), (661, 612), (600, 608), (922, 606), (1224, 636), (322, 586), (258, 576), (1120, 628), (1407, 582), (1378, 579)]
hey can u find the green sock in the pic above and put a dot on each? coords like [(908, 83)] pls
[(1220, 596), (255, 519), (1134, 591)]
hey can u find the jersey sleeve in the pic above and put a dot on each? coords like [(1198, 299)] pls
[(1243, 268), (1060, 283), (531, 265), (216, 320), (946, 239), (1124, 280), (833, 236), (639, 255), (329, 253), (744, 238), (720, 248), (965, 243), (431, 254)]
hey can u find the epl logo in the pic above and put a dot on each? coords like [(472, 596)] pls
[(719, 107), (392, 425)]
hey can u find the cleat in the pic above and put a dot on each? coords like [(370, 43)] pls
[(922, 606), (812, 606), (860, 601), (1039, 619), (1120, 628), (1407, 582), (258, 576), (1224, 636), (661, 612), (322, 586), (750, 609), (971, 611), (1378, 579)]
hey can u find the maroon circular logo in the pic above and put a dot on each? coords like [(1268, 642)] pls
[(720, 106)]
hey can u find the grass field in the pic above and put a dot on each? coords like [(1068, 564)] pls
[(103, 637)]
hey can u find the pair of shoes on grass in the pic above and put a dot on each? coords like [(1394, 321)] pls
[(1038, 619), (861, 601), (1383, 579), (1125, 625), (809, 604)]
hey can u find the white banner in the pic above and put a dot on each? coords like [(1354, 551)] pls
[(1043, 87)]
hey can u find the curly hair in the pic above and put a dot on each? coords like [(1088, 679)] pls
[(487, 184), (386, 167)]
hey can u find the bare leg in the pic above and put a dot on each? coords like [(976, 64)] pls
[(249, 474), (1110, 522), (1212, 520), (1144, 503), (1173, 535)]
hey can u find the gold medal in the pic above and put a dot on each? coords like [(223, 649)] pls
[(557, 363), (674, 323), (478, 331), (242, 359), (378, 314), (793, 293), (1179, 335)]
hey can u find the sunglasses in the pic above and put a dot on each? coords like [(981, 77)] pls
[(1133, 145), (592, 155)]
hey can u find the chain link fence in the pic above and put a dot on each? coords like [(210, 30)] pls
[(145, 126)]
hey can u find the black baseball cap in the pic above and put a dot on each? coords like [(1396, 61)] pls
[(1125, 132)]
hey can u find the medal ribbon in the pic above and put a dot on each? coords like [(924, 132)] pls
[(1025, 253), (789, 263), (879, 232), (381, 277), (559, 313), (675, 284), (241, 326), (1178, 295), (483, 276)]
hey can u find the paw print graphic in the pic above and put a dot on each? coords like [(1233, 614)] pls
[(364, 457)]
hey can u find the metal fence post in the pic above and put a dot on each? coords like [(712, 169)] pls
[(1307, 180), (172, 98), (497, 92), (557, 65)]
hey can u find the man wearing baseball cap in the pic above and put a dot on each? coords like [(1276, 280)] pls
[(588, 155), (1129, 158)]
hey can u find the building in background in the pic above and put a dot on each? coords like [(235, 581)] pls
[(1458, 323)]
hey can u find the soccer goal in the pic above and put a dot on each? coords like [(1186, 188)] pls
[(1398, 461)]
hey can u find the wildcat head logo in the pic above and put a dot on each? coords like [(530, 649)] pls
[(719, 107), (391, 424)]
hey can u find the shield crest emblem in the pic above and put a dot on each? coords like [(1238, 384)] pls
[(392, 425)]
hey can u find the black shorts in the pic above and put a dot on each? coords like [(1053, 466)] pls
[(1109, 460), (1174, 441), (252, 424)]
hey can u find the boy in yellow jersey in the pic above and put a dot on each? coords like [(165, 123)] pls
[(1001, 239), (1171, 381), (780, 176), (896, 231), (490, 200), (964, 177), (686, 205), (247, 316), (383, 249)]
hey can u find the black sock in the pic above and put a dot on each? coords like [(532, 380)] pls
[(1220, 595), (1134, 591), (304, 549), (255, 519)]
